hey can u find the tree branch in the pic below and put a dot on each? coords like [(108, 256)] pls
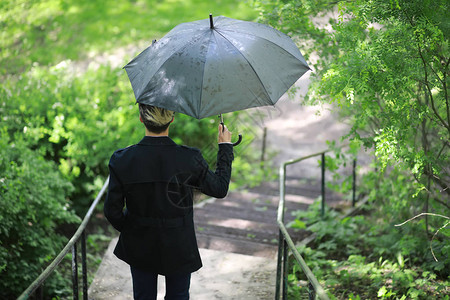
[(441, 202), (433, 107), (422, 214), (440, 183), (444, 84), (429, 214), (434, 235), (442, 149), (447, 126)]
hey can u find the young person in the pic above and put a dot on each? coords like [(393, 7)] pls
[(150, 202)]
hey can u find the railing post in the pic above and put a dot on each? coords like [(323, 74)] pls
[(354, 184), (84, 265), (279, 265), (285, 269), (281, 239), (40, 293), (311, 291), (323, 186), (74, 272), (263, 150)]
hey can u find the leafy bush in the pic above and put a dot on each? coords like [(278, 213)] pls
[(33, 207), (364, 257), (67, 121), (385, 65)]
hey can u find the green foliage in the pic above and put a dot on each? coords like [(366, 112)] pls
[(33, 208), (69, 122), (352, 258), (49, 31), (391, 76), (386, 65)]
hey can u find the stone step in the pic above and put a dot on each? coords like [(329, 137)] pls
[(296, 187), (203, 221), (263, 237), (255, 198), (250, 200), (266, 235), (215, 210), (233, 245), (246, 222), (254, 217)]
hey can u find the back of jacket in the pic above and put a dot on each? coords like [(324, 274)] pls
[(150, 201)]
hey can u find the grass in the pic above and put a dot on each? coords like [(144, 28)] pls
[(47, 32)]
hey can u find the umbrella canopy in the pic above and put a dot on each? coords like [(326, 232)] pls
[(214, 66)]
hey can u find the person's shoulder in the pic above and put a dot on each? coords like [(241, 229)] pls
[(192, 157), (122, 151), (189, 153), (191, 149)]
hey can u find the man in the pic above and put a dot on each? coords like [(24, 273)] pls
[(150, 202)]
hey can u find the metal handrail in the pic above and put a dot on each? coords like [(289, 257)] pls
[(285, 241), (71, 245)]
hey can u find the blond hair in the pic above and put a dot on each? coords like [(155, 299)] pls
[(156, 119)]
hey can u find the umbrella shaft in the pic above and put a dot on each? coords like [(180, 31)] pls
[(221, 122)]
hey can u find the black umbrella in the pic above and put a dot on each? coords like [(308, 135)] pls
[(215, 66)]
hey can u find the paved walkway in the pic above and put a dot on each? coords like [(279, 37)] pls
[(240, 260), (223, 276)]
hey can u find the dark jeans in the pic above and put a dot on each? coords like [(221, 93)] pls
[(145, 285)]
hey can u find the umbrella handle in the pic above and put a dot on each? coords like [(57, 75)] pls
[(239, 137), (238, 141)]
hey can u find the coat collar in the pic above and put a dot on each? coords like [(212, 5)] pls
[(156, 140)]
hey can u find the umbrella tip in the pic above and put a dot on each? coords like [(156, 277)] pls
[(211, 24)]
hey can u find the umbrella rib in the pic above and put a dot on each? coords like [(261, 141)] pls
[(254, 71), (175, 52), (199, 106), (260, 37), (271, 42)]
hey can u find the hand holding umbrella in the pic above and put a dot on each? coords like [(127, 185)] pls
[(224, 135), (223, 128)]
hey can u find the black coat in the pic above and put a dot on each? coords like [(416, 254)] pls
[(150, 202)]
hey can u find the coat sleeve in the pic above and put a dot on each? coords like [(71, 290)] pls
[(115, 199), (215, 184)]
